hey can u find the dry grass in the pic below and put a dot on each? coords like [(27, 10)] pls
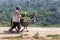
[(54, 37), (35, 37), (20, 36)]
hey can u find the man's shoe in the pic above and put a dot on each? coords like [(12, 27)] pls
[(10, 31), (18, 32)]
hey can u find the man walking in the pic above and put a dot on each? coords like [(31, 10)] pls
[(16, 20)]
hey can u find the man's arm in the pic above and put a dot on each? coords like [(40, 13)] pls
[(11, 22)]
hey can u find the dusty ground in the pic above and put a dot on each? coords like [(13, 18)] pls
[(43, 32)]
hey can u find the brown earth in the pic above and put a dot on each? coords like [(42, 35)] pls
[(43, 32)]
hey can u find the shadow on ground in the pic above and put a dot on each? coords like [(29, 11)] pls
[(7, 32)]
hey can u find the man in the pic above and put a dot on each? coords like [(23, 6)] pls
[(16, 20)]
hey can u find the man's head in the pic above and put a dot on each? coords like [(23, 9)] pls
[(17, 8)]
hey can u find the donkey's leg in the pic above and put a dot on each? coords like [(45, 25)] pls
[(27, 29), (22, 29)]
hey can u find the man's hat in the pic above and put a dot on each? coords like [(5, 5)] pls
[(18, 7)]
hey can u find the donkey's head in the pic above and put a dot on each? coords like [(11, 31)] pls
[(32, 17)]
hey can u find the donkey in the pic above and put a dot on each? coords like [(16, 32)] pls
[(25, 24)]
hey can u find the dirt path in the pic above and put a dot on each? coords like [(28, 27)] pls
[(32, 30)]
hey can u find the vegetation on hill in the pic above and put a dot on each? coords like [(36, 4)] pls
[(47, 11)]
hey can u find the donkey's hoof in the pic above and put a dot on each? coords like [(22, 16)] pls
[(27, 31)]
